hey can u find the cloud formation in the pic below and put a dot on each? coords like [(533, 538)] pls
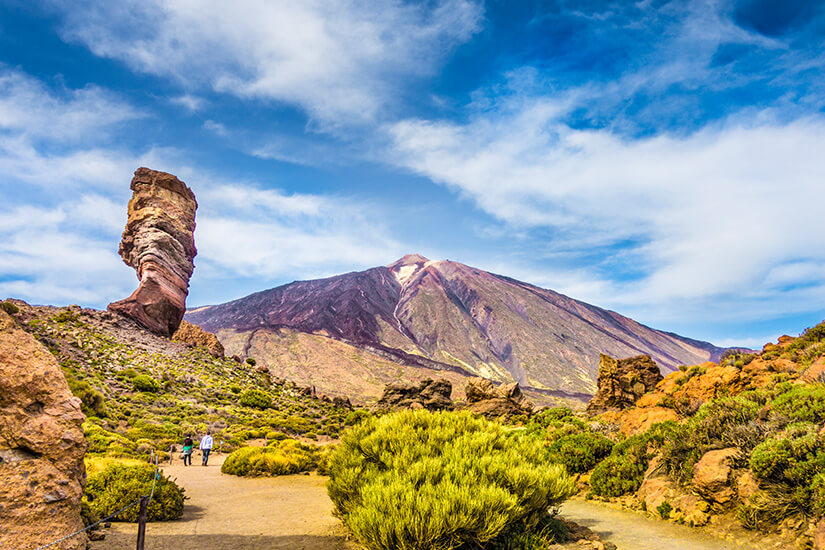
[(340, 60), (701, 216)]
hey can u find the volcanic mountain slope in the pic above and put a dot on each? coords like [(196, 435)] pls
[(435, 316)]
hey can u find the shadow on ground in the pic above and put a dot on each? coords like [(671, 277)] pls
[(223, 542)]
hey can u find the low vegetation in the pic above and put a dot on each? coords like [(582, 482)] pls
[(281, 457), (140, 400), (445, 480), (113, 484)]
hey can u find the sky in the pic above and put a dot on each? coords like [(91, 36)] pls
[(664, 159)]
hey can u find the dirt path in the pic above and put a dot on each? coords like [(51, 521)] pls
[(633, 531), (227, 512)]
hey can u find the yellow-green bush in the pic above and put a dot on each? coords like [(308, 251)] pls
[(579, 452), (789, 467), (112, 484), (255, 398), (440, 481), (281, 458), (623, 470), (144, 382), (803, 403)]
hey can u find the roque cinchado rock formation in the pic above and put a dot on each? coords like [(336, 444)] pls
[(159, 243), (42, 476)]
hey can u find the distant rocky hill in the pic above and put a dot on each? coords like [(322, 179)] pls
[(352, 333)]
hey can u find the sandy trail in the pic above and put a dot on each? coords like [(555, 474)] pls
[(632, 531), (227, 512)]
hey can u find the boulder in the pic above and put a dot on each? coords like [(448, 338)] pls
[(712, 474), (622, 382), (193, 335), (429, 394), (484, 398), (159, 243), (638, 420), (480, 389), (41, 446)]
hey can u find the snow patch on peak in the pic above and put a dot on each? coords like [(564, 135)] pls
[(404, 273)]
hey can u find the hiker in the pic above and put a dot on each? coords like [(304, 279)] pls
[(187, 450), (206, 446)]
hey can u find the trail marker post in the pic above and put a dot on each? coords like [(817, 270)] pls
[(141, 535)]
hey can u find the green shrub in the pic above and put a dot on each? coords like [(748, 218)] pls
[(275, 436), (105, 442), (255, 398), (664, 509), (126, 373), (802, 403), (419, 480), (9, 308), (250, 361), (789, 467), (118, 483), (581, 452), (144, 382), (356, 416), (284, 457), (622, 471), (66, 317), (234, 388), (92, 401), (728, 422)]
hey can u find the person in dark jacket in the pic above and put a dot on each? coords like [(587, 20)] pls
[(188, 445)]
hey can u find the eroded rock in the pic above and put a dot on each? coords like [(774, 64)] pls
[(485, 398), (159, 243), (193, 335), (622, 382), (41, 445), (429, 394)]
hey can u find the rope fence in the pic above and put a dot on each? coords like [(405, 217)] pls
[(142, 520)]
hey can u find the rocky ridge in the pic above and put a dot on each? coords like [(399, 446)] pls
[(41, 446), (159, 244)]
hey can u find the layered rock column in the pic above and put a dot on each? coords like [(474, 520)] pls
[(42, 476), (159, 243)]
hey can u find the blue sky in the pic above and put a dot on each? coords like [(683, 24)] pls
[(665, 159)]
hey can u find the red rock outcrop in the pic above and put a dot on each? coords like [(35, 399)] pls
[(41, 446), (193, 335), (159, 243), (623, 381)]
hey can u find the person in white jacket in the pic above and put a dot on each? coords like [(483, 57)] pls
[(206, 447)]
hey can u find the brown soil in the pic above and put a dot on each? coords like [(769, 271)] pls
[(227, 513)]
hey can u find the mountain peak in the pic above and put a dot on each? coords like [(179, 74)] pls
[(409, 259)]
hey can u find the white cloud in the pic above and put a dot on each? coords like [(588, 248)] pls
[(336, 59), (216, 128), (27, 106), (189, 102), (716, 214), (251, 232), (62, 254)]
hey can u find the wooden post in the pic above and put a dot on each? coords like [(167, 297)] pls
[(141, 537)]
